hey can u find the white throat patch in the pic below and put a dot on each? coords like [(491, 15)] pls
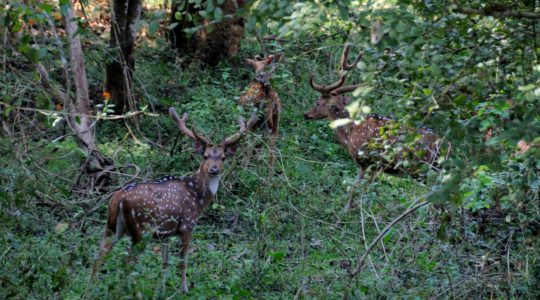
[(213, 184)]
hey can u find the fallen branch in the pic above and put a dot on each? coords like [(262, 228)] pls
[(361, 260)]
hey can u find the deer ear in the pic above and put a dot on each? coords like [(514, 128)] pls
[(231, 150), (199, 147)]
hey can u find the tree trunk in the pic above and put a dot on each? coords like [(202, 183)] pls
[(119, 70), (214, 40), (80, 113)]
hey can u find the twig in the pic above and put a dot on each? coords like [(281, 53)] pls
[(497, 14), (261, 42), (52, 112), (451, 285), (418, 204), (508, 246)]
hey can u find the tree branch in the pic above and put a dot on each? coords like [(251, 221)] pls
[(488, 11), (361, 260)]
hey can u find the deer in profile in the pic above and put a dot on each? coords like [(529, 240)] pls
[(262, 96), (371, 141), (171, 205)]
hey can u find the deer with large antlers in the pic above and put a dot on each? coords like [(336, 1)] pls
[(171, 205), (373, 141), (262, 96)]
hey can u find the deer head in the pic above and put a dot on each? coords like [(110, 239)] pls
[(260, 63), (332, 103), (213, 156)]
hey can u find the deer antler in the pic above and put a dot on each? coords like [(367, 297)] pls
[(326, 89), (183, 128), (260, 62), (273, 59), (337, 86), (257, 65), (345, 56), (233, 139), (347, 89)]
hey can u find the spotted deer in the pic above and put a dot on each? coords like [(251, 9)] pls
[(376, 140), (262, 96), (169, 206)]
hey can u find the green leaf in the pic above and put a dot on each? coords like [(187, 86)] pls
[(218, 14), (210, 6), (178, 15), (172, 26)]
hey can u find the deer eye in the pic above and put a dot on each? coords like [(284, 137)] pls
[(205, 156), (318, 103)]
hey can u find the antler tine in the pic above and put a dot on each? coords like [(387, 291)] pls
[(251, 62), (183, 128), (202, 138), (348, 89), (181, 122), (345, 56), (315, 86), (274, 59), (325, 89), (336, 84), (233, 139), (258, 66)]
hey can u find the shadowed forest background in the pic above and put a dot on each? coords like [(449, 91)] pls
[(85, 90)]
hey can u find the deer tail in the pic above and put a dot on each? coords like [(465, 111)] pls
[(115, 216)]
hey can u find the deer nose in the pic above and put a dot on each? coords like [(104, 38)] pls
[(307, 116), (214, 170)]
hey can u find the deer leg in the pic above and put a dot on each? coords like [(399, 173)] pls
[(357, 182), (272, 150), (106, 246), (184, 247), (165, 254), (136, 237)]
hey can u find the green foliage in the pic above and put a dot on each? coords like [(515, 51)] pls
[(463, 75)]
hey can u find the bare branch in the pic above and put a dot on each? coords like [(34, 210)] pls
[(488, 11), (361, 260)]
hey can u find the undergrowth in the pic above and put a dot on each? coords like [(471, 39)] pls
[(265, 238)]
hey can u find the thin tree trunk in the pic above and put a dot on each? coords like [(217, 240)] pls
[(119, 70), (80, 113)]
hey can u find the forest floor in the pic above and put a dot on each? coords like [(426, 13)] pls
[(278, 237)]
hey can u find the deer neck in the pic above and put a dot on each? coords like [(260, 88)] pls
[(342, 132), (206, 188)]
